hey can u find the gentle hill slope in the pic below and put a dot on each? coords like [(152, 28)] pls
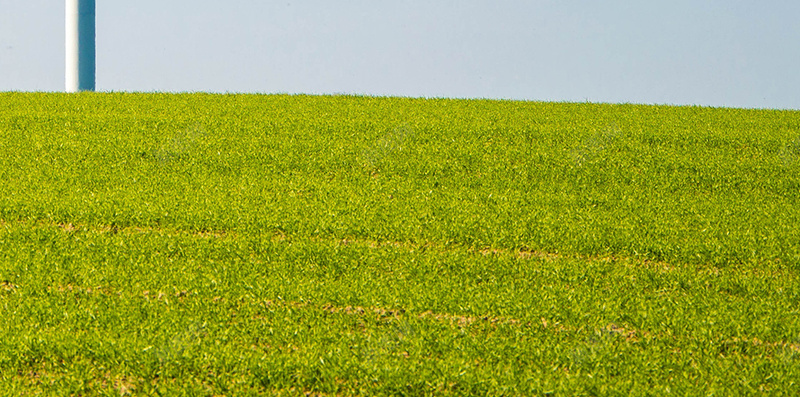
[(233, 244), (665, 183)]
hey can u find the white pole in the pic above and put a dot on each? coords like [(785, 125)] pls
[(80, 45)]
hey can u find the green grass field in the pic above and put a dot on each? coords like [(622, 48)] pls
[(196, 244)]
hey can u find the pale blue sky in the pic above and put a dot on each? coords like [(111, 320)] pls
[(703, 52)]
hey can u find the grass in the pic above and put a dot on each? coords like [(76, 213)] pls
[(242, 244)]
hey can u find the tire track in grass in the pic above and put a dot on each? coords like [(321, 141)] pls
[(457, 320), (279, 236), (452, 320)]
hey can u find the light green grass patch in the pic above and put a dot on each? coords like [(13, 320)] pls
[(243, 244)]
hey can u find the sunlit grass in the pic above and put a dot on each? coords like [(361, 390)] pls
[(235, 244)]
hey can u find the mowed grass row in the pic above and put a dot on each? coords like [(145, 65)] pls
[(235, 244), (155, 311), (688, 184)]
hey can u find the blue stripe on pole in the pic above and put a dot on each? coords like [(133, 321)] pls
[(86, 45)]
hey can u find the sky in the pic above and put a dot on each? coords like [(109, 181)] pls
[(728, 53)]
